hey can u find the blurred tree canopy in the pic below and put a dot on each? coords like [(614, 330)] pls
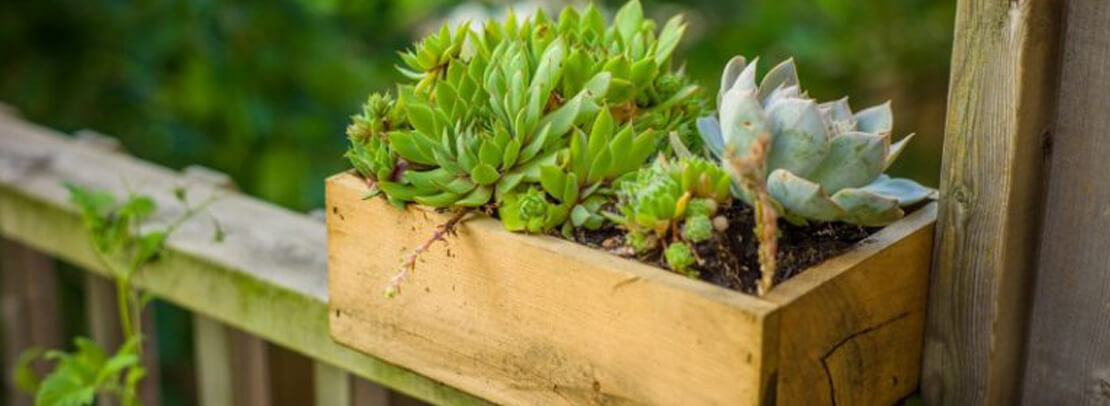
[(262, 89)]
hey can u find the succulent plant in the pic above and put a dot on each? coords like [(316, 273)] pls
[(664, 193), (680, 257), (534, 117), (488, 111), (666, 197), (824, 162), (579, 179), (370, 154)]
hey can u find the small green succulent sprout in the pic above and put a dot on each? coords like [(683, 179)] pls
[(663, 194), (664, 198), (698, 228), (824, 162), (369, 153), (532, 211), (680, 257)]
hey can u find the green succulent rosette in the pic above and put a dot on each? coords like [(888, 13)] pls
[(520, 112)]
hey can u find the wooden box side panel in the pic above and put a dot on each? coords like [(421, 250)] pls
[(852, 329), (533, 320)]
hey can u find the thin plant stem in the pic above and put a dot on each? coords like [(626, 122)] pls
[(408, 265), (752, 167)]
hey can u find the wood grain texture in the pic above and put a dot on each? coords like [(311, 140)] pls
[(852, 328), (28, 310), (1000, 108), (523, 319), (1069, 343), (267, 278)]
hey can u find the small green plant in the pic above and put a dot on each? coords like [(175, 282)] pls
[(533, 117), (124, 248), (667, 197)]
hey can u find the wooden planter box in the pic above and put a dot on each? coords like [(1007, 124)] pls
[(535, 320)]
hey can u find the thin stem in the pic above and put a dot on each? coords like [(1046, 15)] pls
[(189, 213), (409, 263), (124, 307), (752, 168)]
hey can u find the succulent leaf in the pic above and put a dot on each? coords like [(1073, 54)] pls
[(801, 197), (729, 76), (800, 140), (896, 151), (876, 120), (867, 209), (742, 119), (905, 191), (783, 75), (854, 159), (710, 130)]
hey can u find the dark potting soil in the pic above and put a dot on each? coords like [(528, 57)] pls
[(731, 258)]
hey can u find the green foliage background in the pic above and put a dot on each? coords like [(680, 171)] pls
[(262, 89)]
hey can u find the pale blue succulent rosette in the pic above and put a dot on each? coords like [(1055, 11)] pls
[(825, 163)]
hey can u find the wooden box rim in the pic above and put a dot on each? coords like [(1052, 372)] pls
[(780, 294)]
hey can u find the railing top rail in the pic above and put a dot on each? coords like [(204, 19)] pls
[(268, 276)]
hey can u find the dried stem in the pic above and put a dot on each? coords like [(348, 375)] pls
[(409, 263), (751, 168)]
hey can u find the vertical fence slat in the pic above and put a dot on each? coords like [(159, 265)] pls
[(366, 393), (232, 367), (29, 307), (213, 362), (332, 385), (104, 326), (1069, 342), (100, 300), (1000, 108), (250, 369)]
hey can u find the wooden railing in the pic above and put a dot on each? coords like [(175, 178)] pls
[(267, 280)]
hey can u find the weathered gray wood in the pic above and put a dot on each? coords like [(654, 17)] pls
[(1000, 110), (1069, 342), (267, 278), (28, 307)]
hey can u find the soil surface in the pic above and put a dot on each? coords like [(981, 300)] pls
[(731, 258)]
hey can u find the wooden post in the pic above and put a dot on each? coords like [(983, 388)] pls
[(1000, 110), (29, 307), (1069, 342)]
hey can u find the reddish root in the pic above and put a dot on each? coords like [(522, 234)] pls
[(408, 265)]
